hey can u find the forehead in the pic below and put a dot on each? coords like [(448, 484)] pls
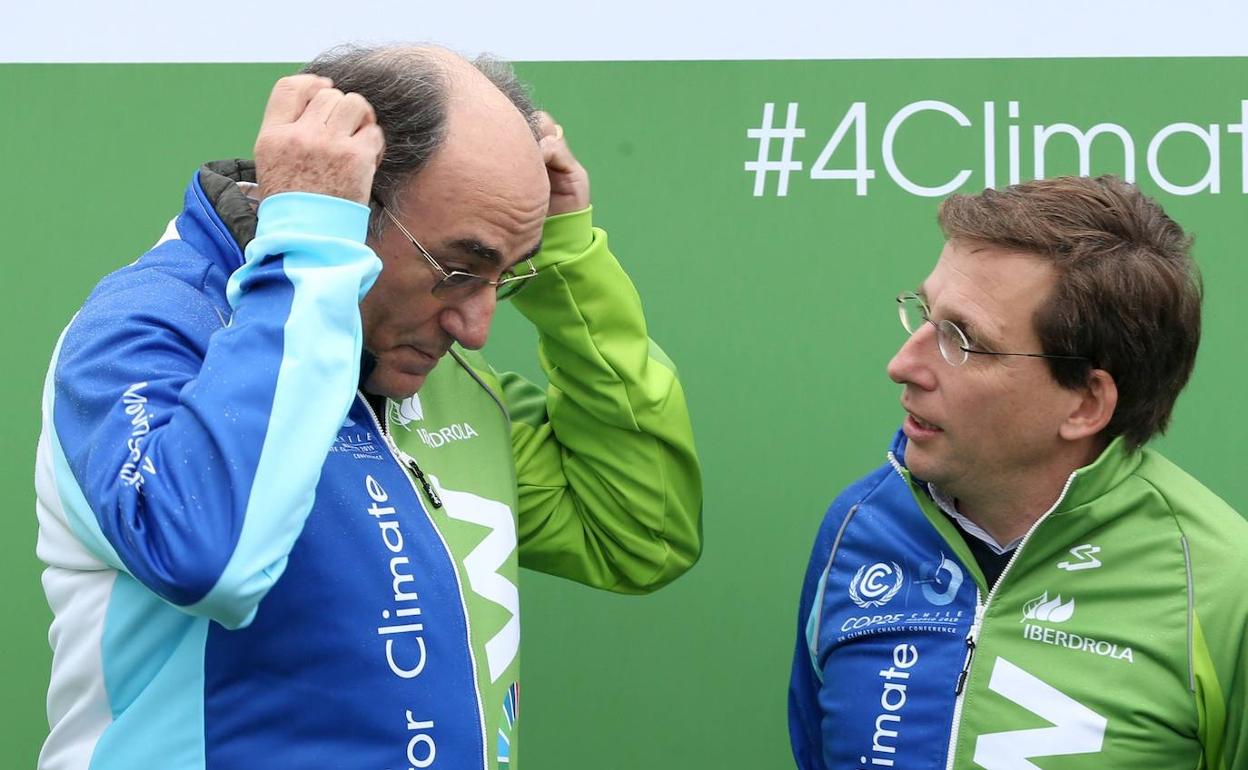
[(450, 203), (995, 290), (486, 182)]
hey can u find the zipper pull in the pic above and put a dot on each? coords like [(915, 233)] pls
[(971, 636), (424, 483), (966, 666)]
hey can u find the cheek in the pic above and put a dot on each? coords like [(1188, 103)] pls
[(987, 402), (1024, 407), (397, 278), (399, 299)]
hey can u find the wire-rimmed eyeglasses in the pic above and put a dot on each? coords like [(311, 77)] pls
[(952, 341), (459, 284)]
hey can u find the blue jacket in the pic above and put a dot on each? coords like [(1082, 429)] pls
[(246, 564)]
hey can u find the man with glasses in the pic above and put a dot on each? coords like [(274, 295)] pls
[(1024, 584), (283, 499)]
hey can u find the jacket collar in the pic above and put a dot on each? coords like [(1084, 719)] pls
[(1106, 472), (219, 182), (1115, 463)]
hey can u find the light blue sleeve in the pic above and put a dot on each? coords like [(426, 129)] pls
[(194, 468)]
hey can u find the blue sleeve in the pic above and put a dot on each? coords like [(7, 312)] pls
[(807, 679), (805, 715), (188, 455)]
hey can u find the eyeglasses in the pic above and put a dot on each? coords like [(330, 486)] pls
[(458, 284), (952, 341)]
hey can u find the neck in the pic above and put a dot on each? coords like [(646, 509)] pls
[(1008, 506), (1008, 515)]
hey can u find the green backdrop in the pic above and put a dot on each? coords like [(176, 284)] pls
[(778, 310)]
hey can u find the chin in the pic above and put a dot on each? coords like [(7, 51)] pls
[(920, 463), (393, 385)]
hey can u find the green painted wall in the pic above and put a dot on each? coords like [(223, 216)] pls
[(778, 310)]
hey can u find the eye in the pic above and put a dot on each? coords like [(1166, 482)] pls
[(460, 278), (975, 343)]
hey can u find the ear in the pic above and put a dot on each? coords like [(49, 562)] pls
[(1097, 400)]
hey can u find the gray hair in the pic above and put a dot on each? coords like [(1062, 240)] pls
[(408, 87)]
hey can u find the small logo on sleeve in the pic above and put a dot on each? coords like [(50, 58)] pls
[(138, 466), (875, 585)]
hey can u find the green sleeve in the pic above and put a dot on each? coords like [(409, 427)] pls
[(610, 491), (1216, 546)]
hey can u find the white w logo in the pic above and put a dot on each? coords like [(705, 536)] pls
[(483, 564), (1076, 728)]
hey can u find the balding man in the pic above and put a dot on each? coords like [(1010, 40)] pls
[(283, 500)]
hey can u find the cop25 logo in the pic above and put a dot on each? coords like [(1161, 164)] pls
[(875, 585)]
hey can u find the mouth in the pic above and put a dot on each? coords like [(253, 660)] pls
[(417, 360), (924, 424), (917, 428), (424, 353)]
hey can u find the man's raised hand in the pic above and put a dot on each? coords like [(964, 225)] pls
[(314, 138), (569, 182)]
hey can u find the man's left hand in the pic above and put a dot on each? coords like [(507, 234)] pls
[(569, 181)]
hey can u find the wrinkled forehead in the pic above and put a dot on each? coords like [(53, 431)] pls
[(487, 213)]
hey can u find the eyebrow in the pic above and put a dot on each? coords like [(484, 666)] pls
[(473, 248), (976, 335)]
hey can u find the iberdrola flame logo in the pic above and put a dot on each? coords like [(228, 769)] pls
[(1051, 610), (408, 411)]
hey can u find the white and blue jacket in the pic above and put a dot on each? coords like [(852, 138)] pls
[(187, 463)]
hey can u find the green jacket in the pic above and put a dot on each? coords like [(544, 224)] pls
[(596, 478), (1115, 638)]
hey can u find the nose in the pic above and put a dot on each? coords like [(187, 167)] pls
[(913, 362), (468, 320)]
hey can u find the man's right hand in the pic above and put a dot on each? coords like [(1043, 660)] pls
[(317, 139)]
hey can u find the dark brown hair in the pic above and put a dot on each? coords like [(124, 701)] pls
[(1127, 295)]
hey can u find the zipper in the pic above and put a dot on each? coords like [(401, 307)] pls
[(410, 461), (959, 690), (405, 460), (972, 636)]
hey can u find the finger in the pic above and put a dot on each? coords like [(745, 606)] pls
[(556, 154), (351, 113), (290, 97), (546, 126), (374, 139), (322, 106)]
